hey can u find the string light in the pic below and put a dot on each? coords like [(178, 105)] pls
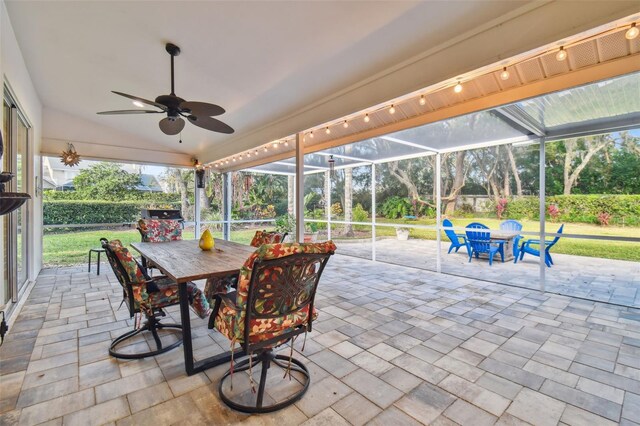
[(422, 100), (392, 110), (632, 32), (562, 54), (226, 162), (311, 134), (234, 159), (248, 154), (504, 75), (328, 130), (265, 149), (275, 145), (366, 118), (286, 143), (345, 124), (457, 88)]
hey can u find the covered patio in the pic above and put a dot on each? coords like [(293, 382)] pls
[(507, 98)]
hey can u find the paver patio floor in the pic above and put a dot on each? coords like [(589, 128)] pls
[(392, 345), (605, 280)]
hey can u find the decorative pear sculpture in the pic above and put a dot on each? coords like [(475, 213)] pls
[(206, 240)]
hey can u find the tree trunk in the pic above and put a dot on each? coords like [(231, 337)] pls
[(458, 183), (184, 190), (514, 170), (593, 145), (348, 201), (291, 194), (404, 177)]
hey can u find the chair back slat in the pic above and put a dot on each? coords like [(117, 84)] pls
[(511, 225), (479, 237), (450, 233)]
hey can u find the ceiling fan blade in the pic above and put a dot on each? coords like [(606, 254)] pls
[(210, 124), (130, 111), (144, 101), (202, 108), (171, 127)]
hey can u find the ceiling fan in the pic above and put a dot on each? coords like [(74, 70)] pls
[(198, 113)]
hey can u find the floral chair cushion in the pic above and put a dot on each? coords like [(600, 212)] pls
[(230, 318), (264, 237), (153, 293), (160, 230)]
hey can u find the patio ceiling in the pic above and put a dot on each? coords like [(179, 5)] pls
[(602, 107)]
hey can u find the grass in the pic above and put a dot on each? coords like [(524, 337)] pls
[(71, 248)]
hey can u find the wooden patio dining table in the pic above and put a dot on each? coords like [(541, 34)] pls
[(183, 261)]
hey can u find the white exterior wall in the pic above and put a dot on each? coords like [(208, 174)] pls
[(16, 76)]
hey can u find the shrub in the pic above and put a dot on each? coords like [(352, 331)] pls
[(286, 223), (360, 215), (396, 207), (67, 212), (604, 218), (501, 206), (336, 209), (623, 209)]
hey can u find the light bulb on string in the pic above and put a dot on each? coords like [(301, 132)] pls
[(265, 149), (275, 144), (422, 100), (328, 130), (311, 134), (562, 54), (392, 109), (457, 88), (345, 124), (504, 75), (286, 143), (632, 32), (366, 118)]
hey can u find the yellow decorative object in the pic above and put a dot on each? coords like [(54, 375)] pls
[(206, 240)]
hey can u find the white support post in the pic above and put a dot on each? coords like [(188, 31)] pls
[(438, 213), (328, 188), (196, 206), (543, 210), (373, 212), (226, 205), (299, 187)]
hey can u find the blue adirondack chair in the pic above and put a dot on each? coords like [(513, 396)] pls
[(526, 248), (514, 226), (480, 242), (455, 238)]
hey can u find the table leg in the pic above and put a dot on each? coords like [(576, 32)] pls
[(186, 329), (192, 367)]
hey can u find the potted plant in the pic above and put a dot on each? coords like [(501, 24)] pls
[(311, 232), (286, 223), (402, 233)]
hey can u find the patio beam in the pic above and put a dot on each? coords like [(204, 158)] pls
[(519, 119), (299, 187), (595, 127), (407, 143)]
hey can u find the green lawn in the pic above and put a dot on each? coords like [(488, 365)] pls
[(72, 248)]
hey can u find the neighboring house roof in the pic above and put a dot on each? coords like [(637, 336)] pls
[(149, 183)]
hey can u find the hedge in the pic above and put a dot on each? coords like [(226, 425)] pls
[(624, 209), (68, 212), (133, 196)]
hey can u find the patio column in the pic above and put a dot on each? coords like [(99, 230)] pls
[(226, 205), (196, 206), (542, 193), (327, 200), (438, 213), (300, 187), (373, 212)]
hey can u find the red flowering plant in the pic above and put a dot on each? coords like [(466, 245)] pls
[(553, 211), (604, 218), (501, 206)]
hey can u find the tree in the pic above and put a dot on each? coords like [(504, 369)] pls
[(106, 181), (348, 201), (578, 153), (182, 182)]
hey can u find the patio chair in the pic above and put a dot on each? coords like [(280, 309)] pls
[(148, 296), (274, 303), (264, 237), (225, 284), (480, 242), (455, 238), (526, 247), (515, 226), (158, 231)]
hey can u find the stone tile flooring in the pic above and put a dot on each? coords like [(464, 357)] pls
[(605, 280), (392, 346)]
